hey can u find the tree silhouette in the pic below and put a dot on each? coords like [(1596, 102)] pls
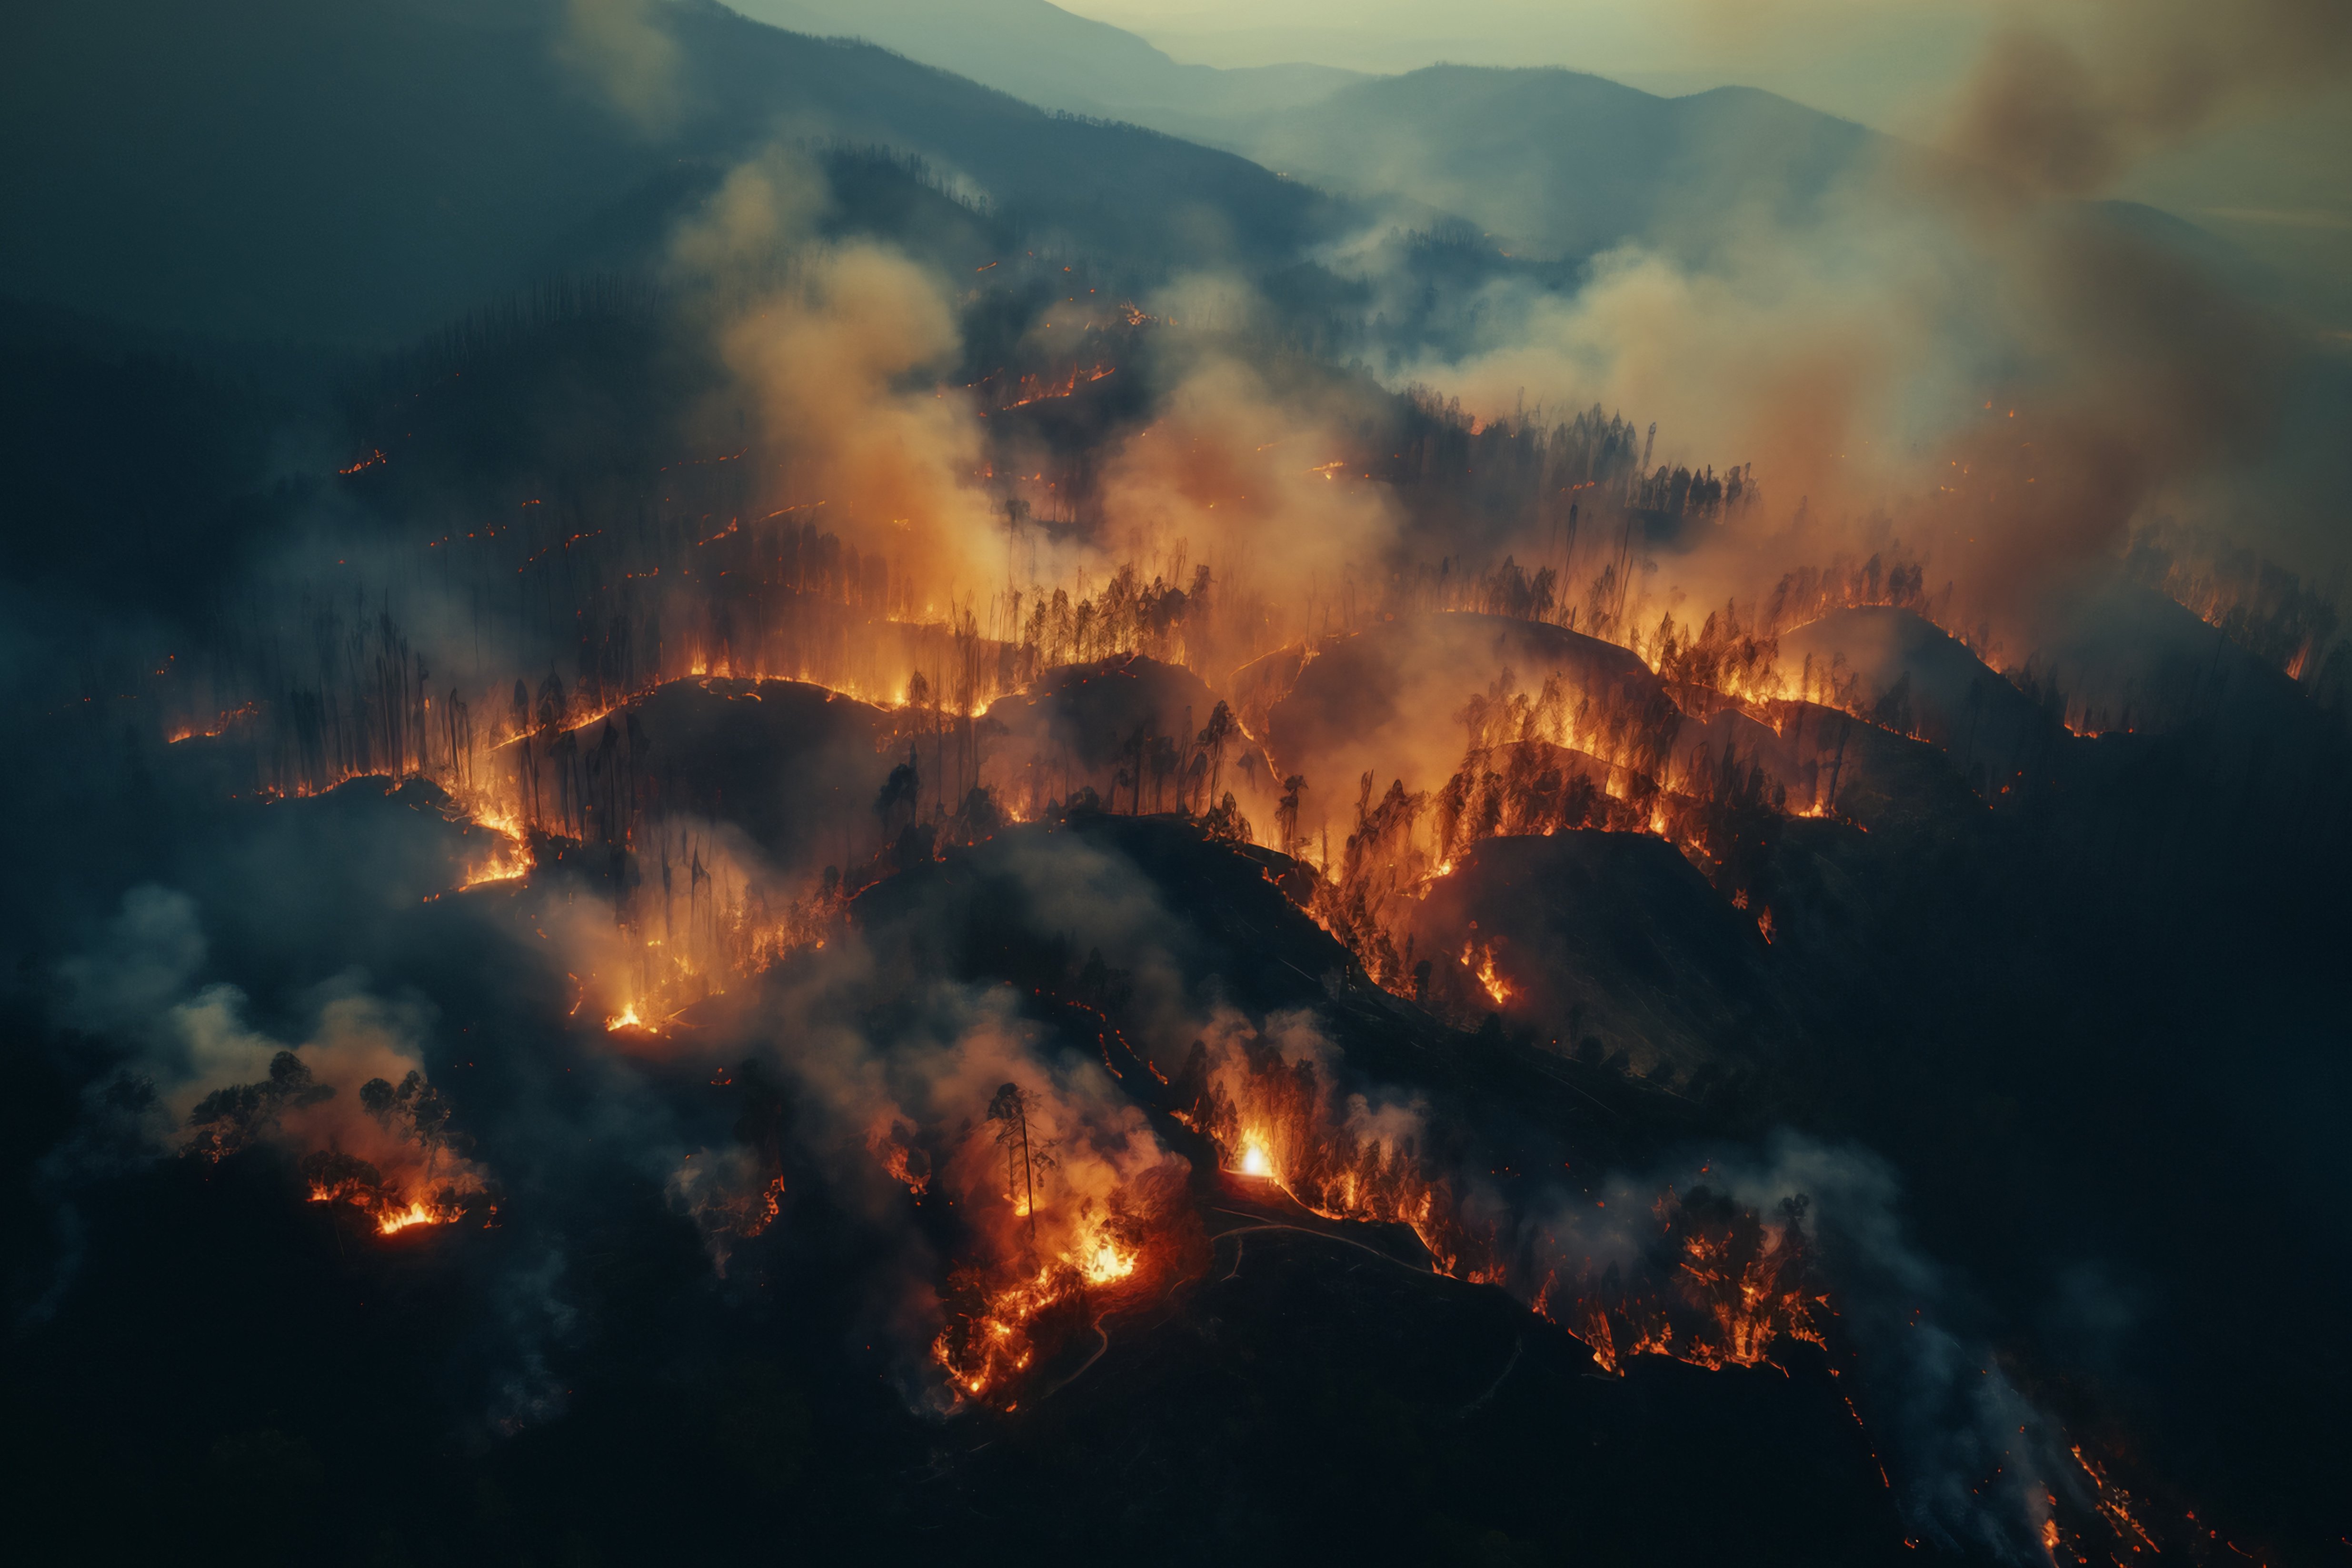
[(1213, 741), (903, 787), (1023, 1157), (1285, 811)]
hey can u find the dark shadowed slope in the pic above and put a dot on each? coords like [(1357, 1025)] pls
[(1921, 681), (344, 172), (1603, 943)]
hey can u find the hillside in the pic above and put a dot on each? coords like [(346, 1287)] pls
[(351, 172), (772, 795), (1561, 162)]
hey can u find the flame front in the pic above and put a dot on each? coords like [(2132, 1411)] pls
[(391, 1222), (387, 1207), (990, 1349), (509, 857), (1479, 958), (1714, 1283), (1073, 1206)]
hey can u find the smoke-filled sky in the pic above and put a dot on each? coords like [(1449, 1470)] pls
[(1865, 53), (2273, 176), (781, 827)]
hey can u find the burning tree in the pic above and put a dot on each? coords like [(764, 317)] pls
[(229, 1120), (406, 1169), (1023, 1157), (1030, 1292)]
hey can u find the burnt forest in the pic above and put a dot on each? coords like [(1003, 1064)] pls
[(767, 806)]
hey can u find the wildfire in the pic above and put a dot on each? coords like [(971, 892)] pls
[(1735, 1287), (1718, 1286), (990, 1348), (220, 725), (732, 1194), (391, 1214), (766, 1207), (509, 856), (397, 1220), (917, 1182), (1108, 1263), (1479, 960), (1040, 389), (1064, 1255), (626, 1018), (2114, 1504)]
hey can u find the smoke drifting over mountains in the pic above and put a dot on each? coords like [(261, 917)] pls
[(1946, 340), (2064, 110), (990, 817)]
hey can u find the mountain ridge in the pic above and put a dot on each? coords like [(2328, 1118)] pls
[(1050, 56), (369, 171), (1592, 161)]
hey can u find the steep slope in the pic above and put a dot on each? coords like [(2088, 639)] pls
[(275, 168), (1603, 944), (1923, 682)]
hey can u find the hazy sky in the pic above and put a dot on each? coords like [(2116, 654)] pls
[(2280, 184), (1869, 58)]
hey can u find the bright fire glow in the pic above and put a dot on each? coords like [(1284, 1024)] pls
[(1739, 1281), (390, 1216), (509, 856), (1000, 1342), (1108, 1263), (1480, 962), (396, 1220)]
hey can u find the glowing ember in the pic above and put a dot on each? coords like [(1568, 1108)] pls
[(900, 1165), (218, 727), (626, 1018)]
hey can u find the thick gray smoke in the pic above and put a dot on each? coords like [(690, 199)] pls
[(1972, 1458), (1960, 347), (2067, 98)]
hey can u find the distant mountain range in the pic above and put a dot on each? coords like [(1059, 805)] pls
[(345, 173), (350, 174), (1549, 160), (1049, 57), (1558, 162)]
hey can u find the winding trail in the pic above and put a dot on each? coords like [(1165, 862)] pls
[(1102, 1335)]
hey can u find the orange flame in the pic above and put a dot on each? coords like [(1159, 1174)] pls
[(1479, 958)]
